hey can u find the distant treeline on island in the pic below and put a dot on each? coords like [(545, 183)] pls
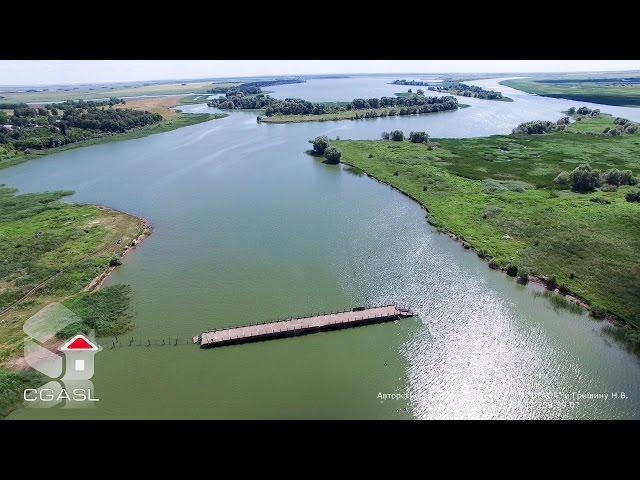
[(456, 88), (385, 106), (252, 88)]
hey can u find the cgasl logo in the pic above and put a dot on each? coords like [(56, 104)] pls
[(70, 370)]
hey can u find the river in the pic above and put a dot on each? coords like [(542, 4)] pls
[(248, 227)]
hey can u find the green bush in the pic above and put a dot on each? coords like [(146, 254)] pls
[(626, 178), (320, 144), (633, 196), (114, 262), (552, 283), (562, 178), (512, 270), (418, 137), (612, 176), (397, 135), (332, 155), (583, 178)]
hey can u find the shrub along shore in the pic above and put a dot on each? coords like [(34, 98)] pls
[(499, 196)]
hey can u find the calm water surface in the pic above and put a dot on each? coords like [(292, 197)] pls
[(248, 227)]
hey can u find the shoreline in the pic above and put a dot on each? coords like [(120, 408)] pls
[(178, 121), (98, 282), (336, 117), (18, 363), (570, 296)]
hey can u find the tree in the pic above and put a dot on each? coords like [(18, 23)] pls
[(571, 111), (320, 144), (385, 135), (332, 154), (583, 178), (418, 137), (3, 117), (397, 135)]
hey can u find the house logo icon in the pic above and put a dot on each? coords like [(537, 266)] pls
[(79, 352), (70, 367)]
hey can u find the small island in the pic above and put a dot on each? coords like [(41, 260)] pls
[(298, 110), (457, 88)]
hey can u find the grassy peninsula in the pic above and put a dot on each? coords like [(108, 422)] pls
[(499, 195), (604, 89), (52, 251)]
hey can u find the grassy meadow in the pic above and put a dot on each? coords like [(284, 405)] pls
[(615, 92), (51, 251), (96, 92), (497, 194)]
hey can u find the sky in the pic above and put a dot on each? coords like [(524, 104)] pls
[(48, 72)]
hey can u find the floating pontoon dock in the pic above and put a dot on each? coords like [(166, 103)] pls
[(301, 325)]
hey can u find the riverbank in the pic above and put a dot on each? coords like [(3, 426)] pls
[(178, 121), (594, 90), (511, 213), (55, 252)]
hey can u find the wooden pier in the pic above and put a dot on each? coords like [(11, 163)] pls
[(301, 326)]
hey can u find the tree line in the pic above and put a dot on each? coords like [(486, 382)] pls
[(455, 88), (295, 106), (252, 88), (53, 125)]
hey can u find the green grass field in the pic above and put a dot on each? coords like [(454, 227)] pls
[(9, 158), (92, 93), (606, 93), (497, 194), (51, 251)]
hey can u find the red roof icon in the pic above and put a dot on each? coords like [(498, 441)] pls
[(79, 342)]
